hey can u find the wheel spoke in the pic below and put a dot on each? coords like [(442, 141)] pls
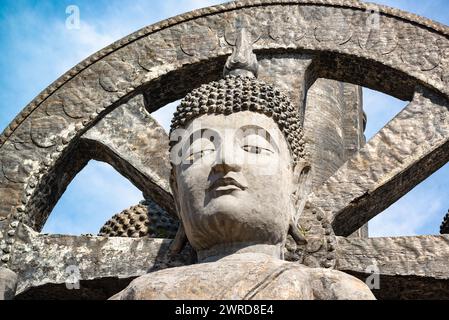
[(406, 151), (130, 140)]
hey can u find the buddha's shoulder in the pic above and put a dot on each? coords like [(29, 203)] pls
[(329, 284), (231, 277), (190, 281), (321, 283), (153, 285)]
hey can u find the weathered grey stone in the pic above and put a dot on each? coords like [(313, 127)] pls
[(227, 186), (424, 256), (44, 261), (8, 284), (407, 267), (254, 276), (84, 99), (46, 145), (146, 219), (222, 162), (407, 150), (131, 141), (333, 129)]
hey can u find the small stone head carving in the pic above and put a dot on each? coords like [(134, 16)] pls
[(238, 169)]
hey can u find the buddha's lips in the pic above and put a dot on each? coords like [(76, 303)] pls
[(226, 181)]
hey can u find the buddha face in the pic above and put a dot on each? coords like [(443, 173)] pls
[(233, 181)]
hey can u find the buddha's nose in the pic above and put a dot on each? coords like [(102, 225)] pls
[(227, 159)]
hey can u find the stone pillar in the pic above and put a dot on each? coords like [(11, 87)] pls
[(323, 128), (354, 125), (354, 119), (334, 129)]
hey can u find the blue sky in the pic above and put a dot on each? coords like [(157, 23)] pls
[(37, 48)]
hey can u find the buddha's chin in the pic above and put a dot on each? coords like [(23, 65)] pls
[(229, 227), (236, 218), (227, 203), (229, 223)]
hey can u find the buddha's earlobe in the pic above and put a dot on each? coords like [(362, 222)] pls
[(179, 242), (302, 186), (174, 190), (296, 234)]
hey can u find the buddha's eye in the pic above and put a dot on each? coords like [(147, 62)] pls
[(194, 156), (255, 143), (199, 149), (256, 150)]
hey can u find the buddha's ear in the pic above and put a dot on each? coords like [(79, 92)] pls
[(302, 186), (180, 239), (174, 191)]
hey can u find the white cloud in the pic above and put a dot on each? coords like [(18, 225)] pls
[(419, 212)]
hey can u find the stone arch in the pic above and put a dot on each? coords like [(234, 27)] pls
[(144, 162), (158, 64)]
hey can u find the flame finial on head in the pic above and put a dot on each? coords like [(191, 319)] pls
[(240, 90), (242, 61)]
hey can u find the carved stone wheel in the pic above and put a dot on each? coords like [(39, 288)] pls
[(101, 110)]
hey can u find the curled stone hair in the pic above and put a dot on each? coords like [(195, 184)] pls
[(241, 91), (444, 229), (237, 93)]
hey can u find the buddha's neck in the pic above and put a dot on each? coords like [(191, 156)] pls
[(220, 251)]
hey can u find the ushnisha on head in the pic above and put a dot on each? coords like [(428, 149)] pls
[(241, 177)]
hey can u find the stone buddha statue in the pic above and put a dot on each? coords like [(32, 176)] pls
[(239, 180)]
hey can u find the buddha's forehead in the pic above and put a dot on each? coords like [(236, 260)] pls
[(230, 128), (235, 121)]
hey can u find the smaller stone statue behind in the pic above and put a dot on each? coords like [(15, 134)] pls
[(444, 229), (239, 180)]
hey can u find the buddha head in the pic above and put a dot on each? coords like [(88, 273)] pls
[(237, 153)]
